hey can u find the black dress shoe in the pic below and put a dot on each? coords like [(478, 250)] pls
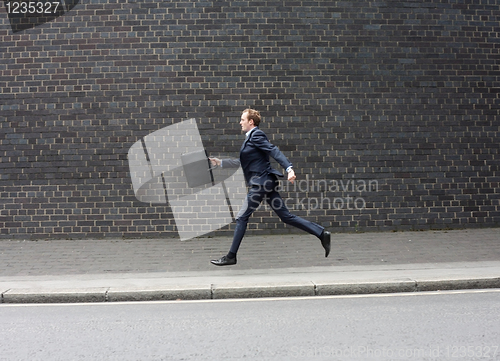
[(224, 261), (325, 241)]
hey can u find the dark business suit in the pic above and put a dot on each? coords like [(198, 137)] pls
[(262, 181)]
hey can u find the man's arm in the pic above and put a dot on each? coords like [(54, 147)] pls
[(225, 163), (260, 140)]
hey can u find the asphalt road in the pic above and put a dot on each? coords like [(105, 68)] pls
[(460, 325)]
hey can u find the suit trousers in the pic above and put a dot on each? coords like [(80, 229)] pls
[(254, 198)]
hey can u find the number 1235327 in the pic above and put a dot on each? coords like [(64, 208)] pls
[(32, 7)]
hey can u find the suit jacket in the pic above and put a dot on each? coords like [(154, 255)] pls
[(254, 158)]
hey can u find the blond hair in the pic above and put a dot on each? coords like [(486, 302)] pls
[(253, 115)]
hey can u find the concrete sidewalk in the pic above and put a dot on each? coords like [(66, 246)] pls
[(111, 270)]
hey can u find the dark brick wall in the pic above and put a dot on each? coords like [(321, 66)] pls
[(402, 96)]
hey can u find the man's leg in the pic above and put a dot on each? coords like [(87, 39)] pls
[(278, 205), (252, 202)]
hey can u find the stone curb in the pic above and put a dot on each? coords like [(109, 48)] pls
[(232, 291), (54, 295)]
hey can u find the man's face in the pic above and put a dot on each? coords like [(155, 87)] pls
[(246, 124)]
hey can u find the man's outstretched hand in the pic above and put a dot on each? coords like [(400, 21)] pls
[(291, 176), (215, 161)]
